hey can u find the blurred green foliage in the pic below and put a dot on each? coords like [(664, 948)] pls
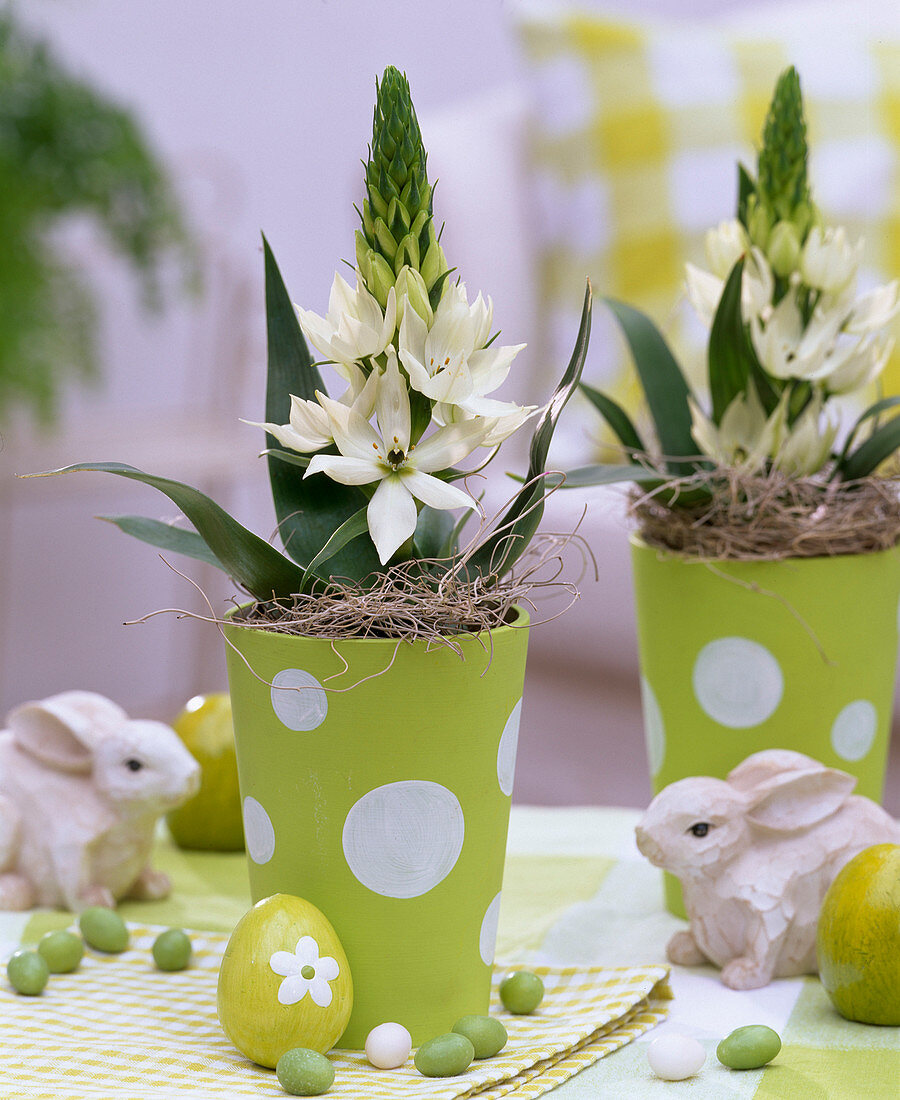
[(66, 150)]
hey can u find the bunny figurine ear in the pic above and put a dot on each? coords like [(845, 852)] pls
[(761, 767), (63, 730), (799, 798)]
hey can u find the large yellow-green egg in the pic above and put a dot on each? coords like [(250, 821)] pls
[(858, 938), (284, 981)]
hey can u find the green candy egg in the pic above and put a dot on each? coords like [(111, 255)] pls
[(27, 972), (521, 992), (103, 929), (445, 1056), (486, 1034), (304, 1072), (749, 1047), (172, 949), (62, 951)]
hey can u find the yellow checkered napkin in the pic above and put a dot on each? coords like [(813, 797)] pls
[(118, 1027)]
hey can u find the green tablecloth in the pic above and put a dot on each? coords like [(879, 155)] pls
[(577, 892)]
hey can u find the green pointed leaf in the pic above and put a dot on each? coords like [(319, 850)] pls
[(352, 528), (880, 445), (616, 417), (514, 531), (746, 188), (434, 533), (663, 383), (251, 561), (308, 510), (727, 354), (672, 493), (873, 410), (165, 536), (605, 474)]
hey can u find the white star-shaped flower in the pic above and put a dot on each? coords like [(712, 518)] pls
[(305, 972), (404, 471)]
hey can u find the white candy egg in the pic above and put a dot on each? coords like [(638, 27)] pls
[(675, 1057), (388, 1045)]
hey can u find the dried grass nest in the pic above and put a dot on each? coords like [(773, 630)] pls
[(431, 600), (770, 517)]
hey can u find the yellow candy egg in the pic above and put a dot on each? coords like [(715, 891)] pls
[(284, 981)]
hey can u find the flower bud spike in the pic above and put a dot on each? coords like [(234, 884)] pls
[(782, 167), (397, 185)]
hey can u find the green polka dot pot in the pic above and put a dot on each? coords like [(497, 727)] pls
[(376, 780), (737, 657)]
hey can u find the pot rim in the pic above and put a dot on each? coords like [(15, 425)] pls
[(638, 544)]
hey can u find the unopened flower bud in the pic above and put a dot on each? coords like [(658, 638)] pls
[(385, 239), (380, 278), (783, 250), (411, 290), (759, 225), (407, 253)]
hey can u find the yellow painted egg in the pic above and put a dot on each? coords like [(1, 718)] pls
[(284, 981), (858, 937), (211, 820)]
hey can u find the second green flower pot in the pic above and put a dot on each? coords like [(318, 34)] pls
[(737, 657)]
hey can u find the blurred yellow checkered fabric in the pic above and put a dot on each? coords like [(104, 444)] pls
[(636, 129), (118, 1027)]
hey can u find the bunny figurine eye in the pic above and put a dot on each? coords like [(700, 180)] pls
[(701, 828), (133, 765)]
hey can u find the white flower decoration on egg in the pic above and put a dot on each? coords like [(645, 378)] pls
[(304, 972)]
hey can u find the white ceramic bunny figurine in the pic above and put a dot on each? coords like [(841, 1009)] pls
[(81, 789), (755, 854)]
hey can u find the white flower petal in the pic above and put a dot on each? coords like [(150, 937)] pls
[(829, 261), (348, 471), (289, 437), (450, 444), (724, 246), (872, 311), (451, 382), (490, 366), (705, 433), (392, 407), (434, 492), (355, 437), (704, 291), (391, 516)]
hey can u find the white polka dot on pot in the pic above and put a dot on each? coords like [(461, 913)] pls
[(298, 699), (259, 832), (506, 752), (853, 731), (737, 682), (400, 840), (487, 940), (654, 727)]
